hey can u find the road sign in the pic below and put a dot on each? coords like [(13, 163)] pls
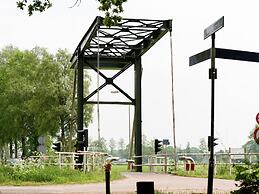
[(256, 135), (257, 118), (166, 142), (41, 140), (214, 27), (41, 148)]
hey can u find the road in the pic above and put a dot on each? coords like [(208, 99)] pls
[(162, 182)]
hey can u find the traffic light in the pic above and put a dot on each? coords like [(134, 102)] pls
[(57, 146), (158, 146), (214, 143), (84, 142)]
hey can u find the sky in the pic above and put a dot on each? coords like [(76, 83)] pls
[(237, 94)]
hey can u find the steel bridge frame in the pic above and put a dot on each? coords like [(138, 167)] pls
[(118, 48)]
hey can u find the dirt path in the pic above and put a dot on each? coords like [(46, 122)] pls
[(163, 182)]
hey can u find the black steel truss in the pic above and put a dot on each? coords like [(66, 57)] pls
[(121, 44), (118, 48)]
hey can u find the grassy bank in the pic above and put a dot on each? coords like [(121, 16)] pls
[(36, 175), (32, 175)]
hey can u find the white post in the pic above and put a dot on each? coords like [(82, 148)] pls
[(166, 163), (230, 168), (60, 160), (73, 161)]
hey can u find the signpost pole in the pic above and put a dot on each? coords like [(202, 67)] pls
[(212, 76), (223, 54)]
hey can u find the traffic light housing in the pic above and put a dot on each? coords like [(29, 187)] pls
[(158, 146), (84, 142), (209, 142), (57, 146)]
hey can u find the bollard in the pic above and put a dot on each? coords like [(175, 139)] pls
[(107, 178), (145, 187), (108, 167)]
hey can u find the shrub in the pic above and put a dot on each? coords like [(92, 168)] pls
[(248, 175)]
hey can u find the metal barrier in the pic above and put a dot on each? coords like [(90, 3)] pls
[(154, 161), (161, 162), (91, 160)]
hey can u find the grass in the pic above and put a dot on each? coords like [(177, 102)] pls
[(222, 172), (33, 175), (200, 171)]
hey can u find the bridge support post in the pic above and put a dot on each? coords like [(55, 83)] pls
[(138, 126)]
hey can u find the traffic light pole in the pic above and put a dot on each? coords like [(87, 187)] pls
[(212, 76), (80, 104)]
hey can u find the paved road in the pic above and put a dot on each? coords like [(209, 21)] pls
[(163, 182)]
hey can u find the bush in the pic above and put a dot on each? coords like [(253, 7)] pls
[(248, 175)]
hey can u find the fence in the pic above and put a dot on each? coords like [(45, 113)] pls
[(227, 159), (91, 160), (161, 162), (154, 163)]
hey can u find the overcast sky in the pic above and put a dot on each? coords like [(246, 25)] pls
[(237, 92)]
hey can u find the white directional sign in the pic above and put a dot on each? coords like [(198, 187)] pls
[(41, 140), (214, 27), (41, 148)]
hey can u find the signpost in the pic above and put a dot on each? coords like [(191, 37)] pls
[(213, 53), (210, 31)]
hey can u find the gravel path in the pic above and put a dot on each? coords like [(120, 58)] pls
[(162, 182)]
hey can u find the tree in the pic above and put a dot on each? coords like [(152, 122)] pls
[(121, 148), (203, 147), (98, 145), (112, 146), (148, 146), (111, 8), (35, 95), (188, 147)]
